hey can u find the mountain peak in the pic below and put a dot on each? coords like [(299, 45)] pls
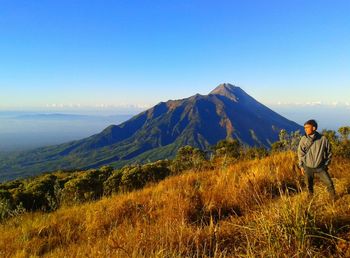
[(228, 90), (228, 112)]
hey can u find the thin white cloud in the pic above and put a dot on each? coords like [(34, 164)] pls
[(335, 103), (98, 106), (314, 103)]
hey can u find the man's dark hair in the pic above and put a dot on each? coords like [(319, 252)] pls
[(311, 122)]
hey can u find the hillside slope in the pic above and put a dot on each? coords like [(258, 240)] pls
[(251, 208)]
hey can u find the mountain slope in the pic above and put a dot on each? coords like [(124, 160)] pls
[(157, 133)]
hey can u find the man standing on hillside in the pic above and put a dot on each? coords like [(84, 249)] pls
[(314, 154)]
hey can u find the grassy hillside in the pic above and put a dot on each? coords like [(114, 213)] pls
[(250, 208)]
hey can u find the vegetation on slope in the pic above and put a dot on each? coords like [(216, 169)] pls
[(254, 208), (231, 208)]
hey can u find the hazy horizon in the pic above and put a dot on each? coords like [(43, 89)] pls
[(28, 130), (25, 130)]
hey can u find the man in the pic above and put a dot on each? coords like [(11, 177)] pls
[(314, 154)]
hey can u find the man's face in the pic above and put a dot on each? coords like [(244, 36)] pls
[(309, 129)]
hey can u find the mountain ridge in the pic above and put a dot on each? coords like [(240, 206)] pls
[(227, 112)]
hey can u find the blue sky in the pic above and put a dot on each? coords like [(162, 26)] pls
[(72, 53)]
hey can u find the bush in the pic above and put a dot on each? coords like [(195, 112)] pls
[(36, 193), (277, 146), (155, 172), (287, 141), (86, 186), (228, 149), (112, 184), (11, 185), (135, 177), (6, 204), (187, 158), (8, 207), (344, 148), (344, 132), (340, 145)]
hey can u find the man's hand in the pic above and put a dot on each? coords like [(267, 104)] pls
[(302, 171)]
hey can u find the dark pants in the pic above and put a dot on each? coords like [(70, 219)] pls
[(323, 174)]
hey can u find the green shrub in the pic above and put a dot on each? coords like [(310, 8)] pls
[(112, 184), (87, 185), (6, 203), (287, 141), (36, 193), (228, 149), (23, 198), (11, 185), (155, 172), (82, 188), (344, 132), (340, 145), (134, 177), (187, 158), (8, 206), (343, 150)]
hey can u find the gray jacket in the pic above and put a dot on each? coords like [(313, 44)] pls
[(318, 155)]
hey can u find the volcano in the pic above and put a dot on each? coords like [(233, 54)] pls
[(227, 112)]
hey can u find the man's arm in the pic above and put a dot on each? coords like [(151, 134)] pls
[(328, 153), (301, 153)]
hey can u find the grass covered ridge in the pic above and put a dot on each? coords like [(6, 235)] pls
[(250, 208)]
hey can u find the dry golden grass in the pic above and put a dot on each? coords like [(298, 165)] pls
[(251, 208)]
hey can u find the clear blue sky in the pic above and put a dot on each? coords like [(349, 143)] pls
[(142, 52)]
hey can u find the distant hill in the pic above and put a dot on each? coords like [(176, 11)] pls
[(157, 133)]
